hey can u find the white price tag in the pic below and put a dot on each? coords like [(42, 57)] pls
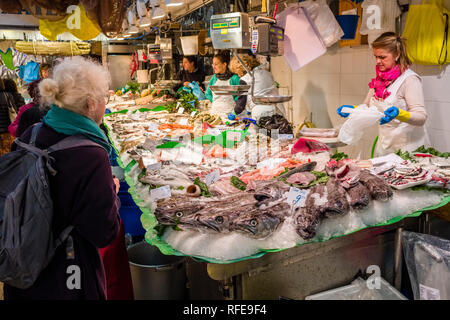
[(181, 110), (427, 293), (297, 197), (136, 116), (233, 136), (212, 177), (160, 193), (153, 126), (283, 136), (184, 121), (193, 113), (214, 131)]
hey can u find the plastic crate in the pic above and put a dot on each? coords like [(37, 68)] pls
[(358, 290)]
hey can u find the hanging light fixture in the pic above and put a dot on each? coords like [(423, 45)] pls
[(173, 3), (144, 20), (157, 11)]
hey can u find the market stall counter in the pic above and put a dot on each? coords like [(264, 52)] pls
[(294, 223)]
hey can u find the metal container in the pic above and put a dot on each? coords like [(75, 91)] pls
[(230, 90), (270, 99), (156, 276)]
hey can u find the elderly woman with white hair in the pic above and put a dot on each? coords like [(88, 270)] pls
[(83, 190)]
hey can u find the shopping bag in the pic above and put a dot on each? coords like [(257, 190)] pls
[(426, 33)]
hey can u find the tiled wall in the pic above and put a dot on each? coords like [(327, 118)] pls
[(341, 76)]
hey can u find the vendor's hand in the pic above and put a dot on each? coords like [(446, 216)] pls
[(344, 114), (389, 115), (117, 183), (232, 116)]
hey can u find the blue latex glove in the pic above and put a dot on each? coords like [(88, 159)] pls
[(107, 111), (344, 114), (197, 91), (231, 116), (389, 115)]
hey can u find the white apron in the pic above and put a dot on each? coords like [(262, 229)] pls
[(396, 135), (222, 105), (264, 86)]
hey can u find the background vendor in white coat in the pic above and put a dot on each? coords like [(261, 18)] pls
[(397, 92), (221, 104), (264, 86)]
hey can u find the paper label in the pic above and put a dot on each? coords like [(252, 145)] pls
[(283, 136), (153, 126), (136, 115), (193, 113), (297, 197), (214, 131), (427, 293), (233, 136), (148, 161), (212, 177), (160, 193), (181, 110), (184, 121)]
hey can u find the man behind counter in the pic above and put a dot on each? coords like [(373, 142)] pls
[(190, 73)]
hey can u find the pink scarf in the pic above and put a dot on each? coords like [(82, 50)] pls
[(383, 80)]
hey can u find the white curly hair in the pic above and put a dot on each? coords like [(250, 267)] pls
[(74, 81)]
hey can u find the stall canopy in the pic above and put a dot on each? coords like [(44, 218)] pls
[(108, 14)]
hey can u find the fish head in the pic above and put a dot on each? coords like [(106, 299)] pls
[(173, 213), (215, 221), (272, 190), (257, 225)]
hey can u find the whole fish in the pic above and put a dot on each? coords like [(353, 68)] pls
[(260, 224), (337, 203), (358, 196), (307, 218), (219, 220), (306, 167), (378, 188), (263, 190)]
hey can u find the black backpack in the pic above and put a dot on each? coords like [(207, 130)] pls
[(27, 244)]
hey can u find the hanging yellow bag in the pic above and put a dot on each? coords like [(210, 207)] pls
[(426, 33), (77, 23)]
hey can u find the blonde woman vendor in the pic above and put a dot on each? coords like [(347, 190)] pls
[(397, 92), (221, 104), (264, 86)]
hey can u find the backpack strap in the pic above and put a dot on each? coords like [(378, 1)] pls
[(63, 235), (34, 133), (72, 142)]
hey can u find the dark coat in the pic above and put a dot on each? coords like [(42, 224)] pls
[(185, 76), (84, 195), (4, 113)]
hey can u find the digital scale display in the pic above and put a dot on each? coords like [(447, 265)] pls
[(226, 23)]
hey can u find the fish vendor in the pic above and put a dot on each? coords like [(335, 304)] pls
[(397, 92), (190, 73), (222, 104)]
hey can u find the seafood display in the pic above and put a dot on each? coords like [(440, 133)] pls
[(203, 185)]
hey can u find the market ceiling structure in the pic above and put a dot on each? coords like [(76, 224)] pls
[(109, 15)]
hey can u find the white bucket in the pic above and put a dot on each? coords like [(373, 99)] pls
[(142, 76), (189, 45)]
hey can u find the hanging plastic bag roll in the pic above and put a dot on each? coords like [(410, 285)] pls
[(359, 120)]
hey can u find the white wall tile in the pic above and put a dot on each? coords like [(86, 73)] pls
[(438, 115), (439, 139)]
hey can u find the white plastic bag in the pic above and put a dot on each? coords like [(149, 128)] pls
[(428, 261), (359, 120), (324, 19)]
